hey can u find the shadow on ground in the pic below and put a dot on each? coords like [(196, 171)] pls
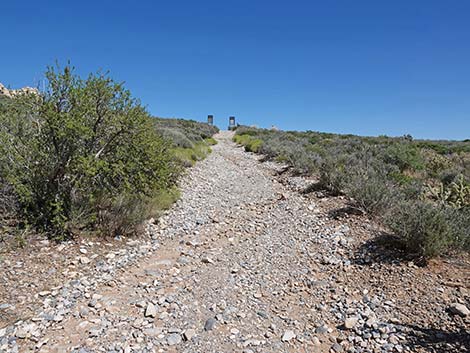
[(341, 212), (439, 341), (385, 248)]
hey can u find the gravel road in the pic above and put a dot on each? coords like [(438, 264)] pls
[(245, 263)]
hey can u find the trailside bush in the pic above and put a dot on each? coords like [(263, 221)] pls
[(80, 150), (371, 191), (382, 174), (177, 137), (428, 230), (193, 131), (251, 144)]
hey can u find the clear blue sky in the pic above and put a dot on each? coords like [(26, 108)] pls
[(364, 67)]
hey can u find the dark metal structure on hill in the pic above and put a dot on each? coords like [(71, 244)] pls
[(231, 123)]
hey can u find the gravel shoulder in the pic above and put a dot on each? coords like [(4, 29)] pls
[(244, 262)]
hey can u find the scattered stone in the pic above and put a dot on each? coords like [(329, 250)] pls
[(350, 322), (151, 311), (21, 333), (277, 264), (153, 332), (321, 329), (173, 339), (189, 334), (337, 348), (459, 309), (207, 260), (210, 323), (84, 260), (288, 335)]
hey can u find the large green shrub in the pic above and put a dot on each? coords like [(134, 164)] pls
[(77, 151)]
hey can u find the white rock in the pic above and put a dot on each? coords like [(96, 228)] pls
[(350, 322), (151, 311), (84, 260), (189, 334), (173, 339), (288, 335), (459, 309), (207, 260)]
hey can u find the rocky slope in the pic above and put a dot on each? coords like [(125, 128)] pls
[(13, 92), (244, 262)]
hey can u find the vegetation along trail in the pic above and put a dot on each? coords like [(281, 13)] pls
[(244, 262)]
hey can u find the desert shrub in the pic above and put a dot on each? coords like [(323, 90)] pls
[(405, 156), (211, 141), (79, 150), (193, 131), (381, 173), (333, 174), (251, 144), (371, 191), (177, 137), (190, 140), (426, 229), (9, 206), (189, 156), (435, 163), (125, 213)]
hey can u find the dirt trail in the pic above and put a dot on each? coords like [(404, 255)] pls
[(245, 263)]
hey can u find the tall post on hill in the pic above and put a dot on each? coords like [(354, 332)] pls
[(210, 119), (231, 123)]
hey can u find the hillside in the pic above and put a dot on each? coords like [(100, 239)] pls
[(245, 262), (419, 189)]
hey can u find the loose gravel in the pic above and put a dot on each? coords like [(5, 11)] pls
[(245, 263)]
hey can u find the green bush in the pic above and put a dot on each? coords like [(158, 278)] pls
[(428, 230), (193, 131), (251, 144), (404, 156), (333, 175), (189, 156), (382, 173), (81, 149), (370, 190), (177, 137), (211, 141)]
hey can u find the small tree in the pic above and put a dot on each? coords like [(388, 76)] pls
[(76, 150)]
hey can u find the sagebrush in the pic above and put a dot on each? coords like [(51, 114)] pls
[(384, 176)]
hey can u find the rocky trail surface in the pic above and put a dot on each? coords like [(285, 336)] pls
[(244, 262)]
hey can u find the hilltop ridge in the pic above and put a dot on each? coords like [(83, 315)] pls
[(4, 91)]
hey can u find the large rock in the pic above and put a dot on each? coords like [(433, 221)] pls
[(459, 309)]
